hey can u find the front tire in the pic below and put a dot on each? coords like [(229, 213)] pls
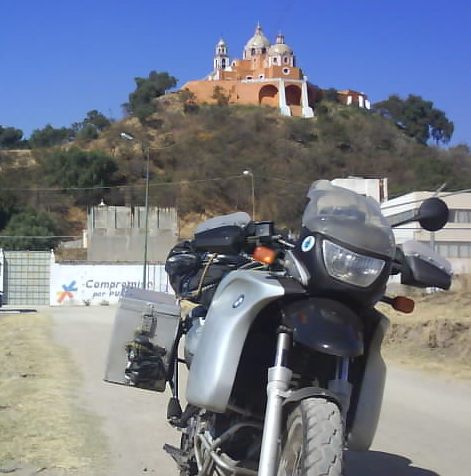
[(313, 440)]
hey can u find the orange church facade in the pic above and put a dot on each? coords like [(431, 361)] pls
[(266, 75)]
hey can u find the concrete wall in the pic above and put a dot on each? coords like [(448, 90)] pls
[(376, 188), (241, 92), (117, 234)]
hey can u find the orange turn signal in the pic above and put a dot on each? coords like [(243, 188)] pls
[(403, 304), (264, 255)]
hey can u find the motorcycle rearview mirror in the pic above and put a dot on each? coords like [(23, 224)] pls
[(432, 215)]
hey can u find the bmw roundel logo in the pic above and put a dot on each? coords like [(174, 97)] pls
[(238, 301), (308, 243)]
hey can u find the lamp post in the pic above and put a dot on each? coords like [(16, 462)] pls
[(252, 180), (146, 149)]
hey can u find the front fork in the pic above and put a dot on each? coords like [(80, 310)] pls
[(279, 378)]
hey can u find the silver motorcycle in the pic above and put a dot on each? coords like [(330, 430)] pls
[(285, 369)]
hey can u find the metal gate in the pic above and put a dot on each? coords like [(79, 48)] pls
[(26, 277)]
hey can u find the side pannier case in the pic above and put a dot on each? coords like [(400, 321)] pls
[(143, 339)]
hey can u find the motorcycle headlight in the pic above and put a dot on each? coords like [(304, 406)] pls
[(350, 267)]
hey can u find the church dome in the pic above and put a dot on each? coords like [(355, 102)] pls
[(280, 50), (280, 47), (258, 40)]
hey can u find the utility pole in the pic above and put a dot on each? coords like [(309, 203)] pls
[(252, 180), (146, 151)]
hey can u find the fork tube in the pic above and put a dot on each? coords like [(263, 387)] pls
[(342, 368), (279, 378)]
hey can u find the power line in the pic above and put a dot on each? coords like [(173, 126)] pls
[(278, 179), (154, 185), (114, 187), (194, 181)]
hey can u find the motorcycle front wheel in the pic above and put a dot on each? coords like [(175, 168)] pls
[(313, 440)]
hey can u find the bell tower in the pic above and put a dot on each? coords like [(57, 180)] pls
[(221, 58)]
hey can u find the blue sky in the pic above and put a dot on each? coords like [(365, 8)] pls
[(62, 58)]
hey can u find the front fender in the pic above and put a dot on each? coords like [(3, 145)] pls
[(326, 326), (240, 297)]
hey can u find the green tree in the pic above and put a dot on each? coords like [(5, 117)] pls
[(330, 94), (97, 119), (30, 230), (441, 128), (50, 136), (90, 128), (8, 205), (418, 118), (147, 89), (10, 137), (87, 132), (78, 168), (81, 169)]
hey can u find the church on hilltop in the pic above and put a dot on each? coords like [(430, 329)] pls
[(268, 75)]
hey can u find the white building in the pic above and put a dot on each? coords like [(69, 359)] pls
[(376, 188), (453, 242)]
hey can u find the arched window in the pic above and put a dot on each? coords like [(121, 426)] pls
[(285, 59), (223, 62), (275, 60), (252, 51)]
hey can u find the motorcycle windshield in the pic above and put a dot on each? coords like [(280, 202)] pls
[(349, 218)]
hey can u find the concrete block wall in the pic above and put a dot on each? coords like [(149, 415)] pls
[(117, 234)]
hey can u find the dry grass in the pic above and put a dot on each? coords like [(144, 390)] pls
[(42, 423), (437, 335)]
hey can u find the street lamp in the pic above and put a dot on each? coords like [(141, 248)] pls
[(145, 148), (252, 179)]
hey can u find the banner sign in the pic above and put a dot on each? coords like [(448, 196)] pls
[(85, 284)]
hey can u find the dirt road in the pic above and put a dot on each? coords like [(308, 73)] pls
[(133, 419), (424, 428)]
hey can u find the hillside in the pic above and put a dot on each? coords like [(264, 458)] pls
[(285, 155), (198, 154)]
